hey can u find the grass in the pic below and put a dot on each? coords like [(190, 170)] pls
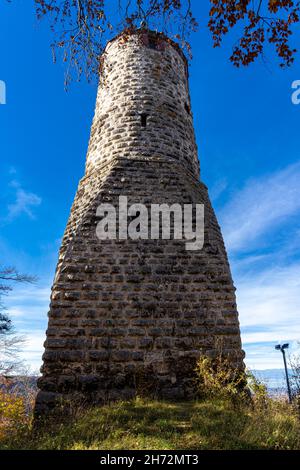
[(149, 424)]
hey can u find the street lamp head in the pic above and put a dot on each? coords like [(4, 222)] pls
[(281, 347)]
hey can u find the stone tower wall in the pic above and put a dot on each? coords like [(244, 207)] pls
[(139, 79), (133, 316)]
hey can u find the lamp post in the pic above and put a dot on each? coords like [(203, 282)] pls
[(282, 348)]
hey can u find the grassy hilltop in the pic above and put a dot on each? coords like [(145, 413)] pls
[(223, 417), (148, 424)]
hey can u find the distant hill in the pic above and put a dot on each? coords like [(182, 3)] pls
[(19, 384), (274, 379)]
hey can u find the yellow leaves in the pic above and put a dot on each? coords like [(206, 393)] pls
[(10, 405), (12, 413), (218, 378)]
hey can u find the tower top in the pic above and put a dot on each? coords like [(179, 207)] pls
[(147, 35), (143, 108)]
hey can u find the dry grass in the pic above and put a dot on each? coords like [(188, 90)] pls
[(149, 424)]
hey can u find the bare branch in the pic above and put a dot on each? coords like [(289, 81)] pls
[(10, 273)]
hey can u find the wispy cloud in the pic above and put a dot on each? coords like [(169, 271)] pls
[(265, 266), (24, 203), (33, 348), (271, 297), (218, 188), (263, 356), (263, 204), (28, 307), (269, 306)]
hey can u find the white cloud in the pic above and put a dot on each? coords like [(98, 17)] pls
[(271, 297), (34, 342), (268, 282), (24, 203), (33, 348), (24, 293), (263, 356), (28, 307), (218, 188), (276, 334), (260, 206), (269, 307)]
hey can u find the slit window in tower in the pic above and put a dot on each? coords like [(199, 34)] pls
[(144, 117)]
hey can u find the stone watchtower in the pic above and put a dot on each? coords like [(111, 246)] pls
[(132, 316)]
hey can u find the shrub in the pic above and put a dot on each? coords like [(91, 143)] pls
[(13, 413), (17, 397), (217, 378), (258, 391)]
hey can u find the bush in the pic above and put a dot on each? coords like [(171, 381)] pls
[(258, 390), (217, 378), (13, 413), (17, 397)]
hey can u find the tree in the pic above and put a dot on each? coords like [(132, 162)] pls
[(295, 378), (263, 21), (10, 342), (82, 27)]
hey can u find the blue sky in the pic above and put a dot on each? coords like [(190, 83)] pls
[(247, 133)]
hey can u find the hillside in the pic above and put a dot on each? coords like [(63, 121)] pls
[(145, 424)]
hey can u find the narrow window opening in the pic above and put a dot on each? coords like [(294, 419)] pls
[(144, 117)]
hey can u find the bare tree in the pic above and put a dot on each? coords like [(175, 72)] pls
[(82, 27), (10, 342), (295, 378)]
